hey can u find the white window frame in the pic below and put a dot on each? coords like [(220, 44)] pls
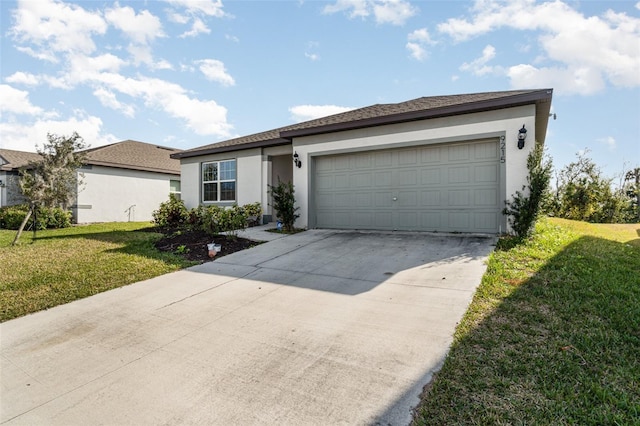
[(219, 181)]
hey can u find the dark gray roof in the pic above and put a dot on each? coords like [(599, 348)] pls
[(127, 154), (135, 155), (381, 114), (13, 160)]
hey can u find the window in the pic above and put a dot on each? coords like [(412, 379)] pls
[(219, 181), (174, 188)]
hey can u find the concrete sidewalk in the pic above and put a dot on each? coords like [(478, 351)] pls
[(321, 327)]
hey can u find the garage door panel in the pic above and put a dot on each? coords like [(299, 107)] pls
[(364, 199), (460, 220), (383, 159), (408, 157), (459, 174), (431, 176), (342, 200), (384, 199), (459, 198), (361, 180), (459, 153), (486, 173), (485, 197), (383, 179), (431, 198), (447, 188), (407, 177), (430, 155), (486, 151)]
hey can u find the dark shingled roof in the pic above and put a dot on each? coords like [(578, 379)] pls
[(381, 114), (12, 160), (135, 155), (127, 154)]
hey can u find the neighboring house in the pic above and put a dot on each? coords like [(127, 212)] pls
[(124, 181), (442, 163), (10, 162)]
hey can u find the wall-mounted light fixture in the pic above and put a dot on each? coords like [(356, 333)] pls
[(296, 160), (522, 135)]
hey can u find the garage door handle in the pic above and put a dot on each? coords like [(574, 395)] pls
[(395, 198)]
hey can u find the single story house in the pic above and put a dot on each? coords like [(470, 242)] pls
[(440, 163), (124, 181)]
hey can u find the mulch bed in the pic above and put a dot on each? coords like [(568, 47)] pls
[(192, 245)]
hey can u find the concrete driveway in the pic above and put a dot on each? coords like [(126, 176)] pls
[(322, 327)]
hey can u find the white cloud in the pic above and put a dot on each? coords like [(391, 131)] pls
[(395, 12), (56, 26), (301, 113), (479, 66), (108, 99), (570, 80), (215, 70), (232, 38), (198, 27), (24, 136), (417, 42), (204, 7), (581, 49), (141, 28), (16, 102), (609, 142), (25, 78), (358, 8), (312, 56)]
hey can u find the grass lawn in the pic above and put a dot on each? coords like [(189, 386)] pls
[(552, 335), (67, 264)]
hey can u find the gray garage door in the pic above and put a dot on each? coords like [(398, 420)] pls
[(445, 188)]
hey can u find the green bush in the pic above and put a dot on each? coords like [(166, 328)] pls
[(284, 203), (172, 214), (253, 212), (524, 209), (11, 217)]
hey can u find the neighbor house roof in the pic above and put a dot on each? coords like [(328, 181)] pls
[(382, 114), (135, 155), (127, 154), (12, 160)]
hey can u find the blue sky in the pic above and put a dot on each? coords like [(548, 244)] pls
[(187, 73)]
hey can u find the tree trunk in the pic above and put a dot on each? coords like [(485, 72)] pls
[(22, 225)]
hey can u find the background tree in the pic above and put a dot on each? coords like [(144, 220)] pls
[(53, 181), (632, 189), (583, 193)]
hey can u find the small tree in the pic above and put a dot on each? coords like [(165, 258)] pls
[(52, 181), (526, 206), (632, 183), (284, 202)]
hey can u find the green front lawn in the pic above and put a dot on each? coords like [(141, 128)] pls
[(63, 265), (552, 335)]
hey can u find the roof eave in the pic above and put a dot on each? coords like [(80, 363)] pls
[(131, 167), (230, 148), (465, 108)]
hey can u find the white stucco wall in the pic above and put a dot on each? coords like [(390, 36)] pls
[(108, 193), (504, 122), (249, 178)]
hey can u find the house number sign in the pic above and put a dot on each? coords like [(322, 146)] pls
[(503, 149)]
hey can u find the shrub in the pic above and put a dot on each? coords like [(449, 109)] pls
[(11, 217), (253, 212), (171, 214), (524, 209), (284, 202)]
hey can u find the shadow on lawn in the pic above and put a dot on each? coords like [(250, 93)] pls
[(561, 348)]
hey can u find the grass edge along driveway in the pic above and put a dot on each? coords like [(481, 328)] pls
[(552, 335), (63, 265)]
